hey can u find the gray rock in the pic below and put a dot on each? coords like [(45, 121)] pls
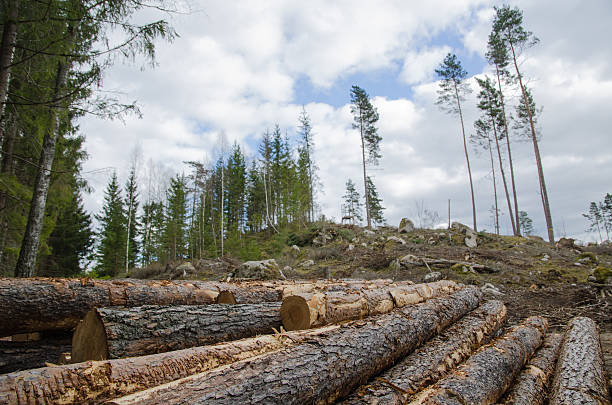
[(471, 238), (259, 270), (368, 232), (405, 226), (433, 276), (307, 263), (295, 248), (186, 268), (396, 240), (351, 247)]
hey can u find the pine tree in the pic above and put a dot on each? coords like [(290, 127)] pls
[(352, 202), (508, 27), (131, 206), (365, 118), (235, 192), (110, 251), (482, 138), (175, 232), (306, 164), (525, 223), (376, 209), (256, 200), (596, 219), (450, 95), (606, 212)]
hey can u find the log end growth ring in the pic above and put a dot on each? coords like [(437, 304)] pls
[(89, 339), (225, 297), (295, 313)]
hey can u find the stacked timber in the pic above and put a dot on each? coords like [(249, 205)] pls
[(433, 360), (323, 368), (303, 310), (580, 375), (112, 333), (27, 354)]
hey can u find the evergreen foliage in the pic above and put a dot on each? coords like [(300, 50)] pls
[(110, 252), (525, 223), (375, 203), (352, 202)]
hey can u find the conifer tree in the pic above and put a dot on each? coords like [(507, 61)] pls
[(236, 189), (256, 200), (352, 202), (508, 28), (450, 96), (525, 223), (365, 118), (110, 251), (376, 209), (131, 207), (175, 232), (306, 164), (482, 137)]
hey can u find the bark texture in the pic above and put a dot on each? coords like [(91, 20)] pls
[(484, 377), (322, 369), (39, 304), (531, 386), (579, 377), (15, 356), (112, 333), (308, 310), (94, 382), (434, 360)]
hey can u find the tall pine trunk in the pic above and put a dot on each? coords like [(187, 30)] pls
[(31, 238), (536, 149), (365, 181), (7, 49), (467, 157), (494, 188), (503, 106)]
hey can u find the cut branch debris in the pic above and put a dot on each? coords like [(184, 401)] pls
[(421, 261)]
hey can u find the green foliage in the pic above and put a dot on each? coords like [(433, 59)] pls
[(525, 223), (375, 203), (452, 84), (175, 224), (365, 117), (352, 202), (110, 251)]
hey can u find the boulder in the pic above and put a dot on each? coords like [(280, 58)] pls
[(396, 240), (471, 238), (307, 263), (186, 268), (259, 270), (433, 276), (565, 243), (405, 226)]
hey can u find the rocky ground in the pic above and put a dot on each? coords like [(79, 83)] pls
[(531, 276)]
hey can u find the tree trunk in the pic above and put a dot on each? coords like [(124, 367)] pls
[(503, 174), (94, 382), (365, 181), (59, 304), (7, 48), (113, 333), (325, 367), (484, 377), (31, 238), (309, 310), (6, 169), (580, 377), (494, 189), (536, 150), (467, 158), (15, 356), (503, 105), (434, 360), (531, 386)]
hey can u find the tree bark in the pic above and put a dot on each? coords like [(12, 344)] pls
[(484, 377), (579, 377), (112, 333), (325, 367), (503, 105), (94, 382), (312, 309), (536, 150), (531, 386), (365, 180), (7, 49), (434, 360), (494, 189), (32, 305), (15, 356), (467, 157)]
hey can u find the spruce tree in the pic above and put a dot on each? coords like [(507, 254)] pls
[(235, 192), (306, 164), (365, 118), (110, 251), (450, 96), (131, 206), (352, 202), (596, 219), (175, 232), (376, 209), (525, 223)]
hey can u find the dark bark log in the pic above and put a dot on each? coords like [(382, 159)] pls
[(579, 377), (112, 333), (308, 310), (531, 386), (433, 360), (325, 367), (30, 305), (94, 382), (484, 377), (15, 356)]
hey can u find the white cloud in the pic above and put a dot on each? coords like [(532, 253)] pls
[(419, 65)]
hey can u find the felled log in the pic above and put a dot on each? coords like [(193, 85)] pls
[(94, 382), (324, 367), (112, 333), (42, 304), (15, 356), (433, 360), (579, 377), (484, 377), (308, 310), (531, 386), (423, 261)]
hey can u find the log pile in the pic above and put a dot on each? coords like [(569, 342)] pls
[(373, 342)]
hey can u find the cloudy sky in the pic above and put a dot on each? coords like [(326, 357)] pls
[(243, 66)]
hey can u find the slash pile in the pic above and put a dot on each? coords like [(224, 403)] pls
[(363, 342)]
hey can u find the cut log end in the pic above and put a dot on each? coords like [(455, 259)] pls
[(89, 341), (226, 297), (295, 313)]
